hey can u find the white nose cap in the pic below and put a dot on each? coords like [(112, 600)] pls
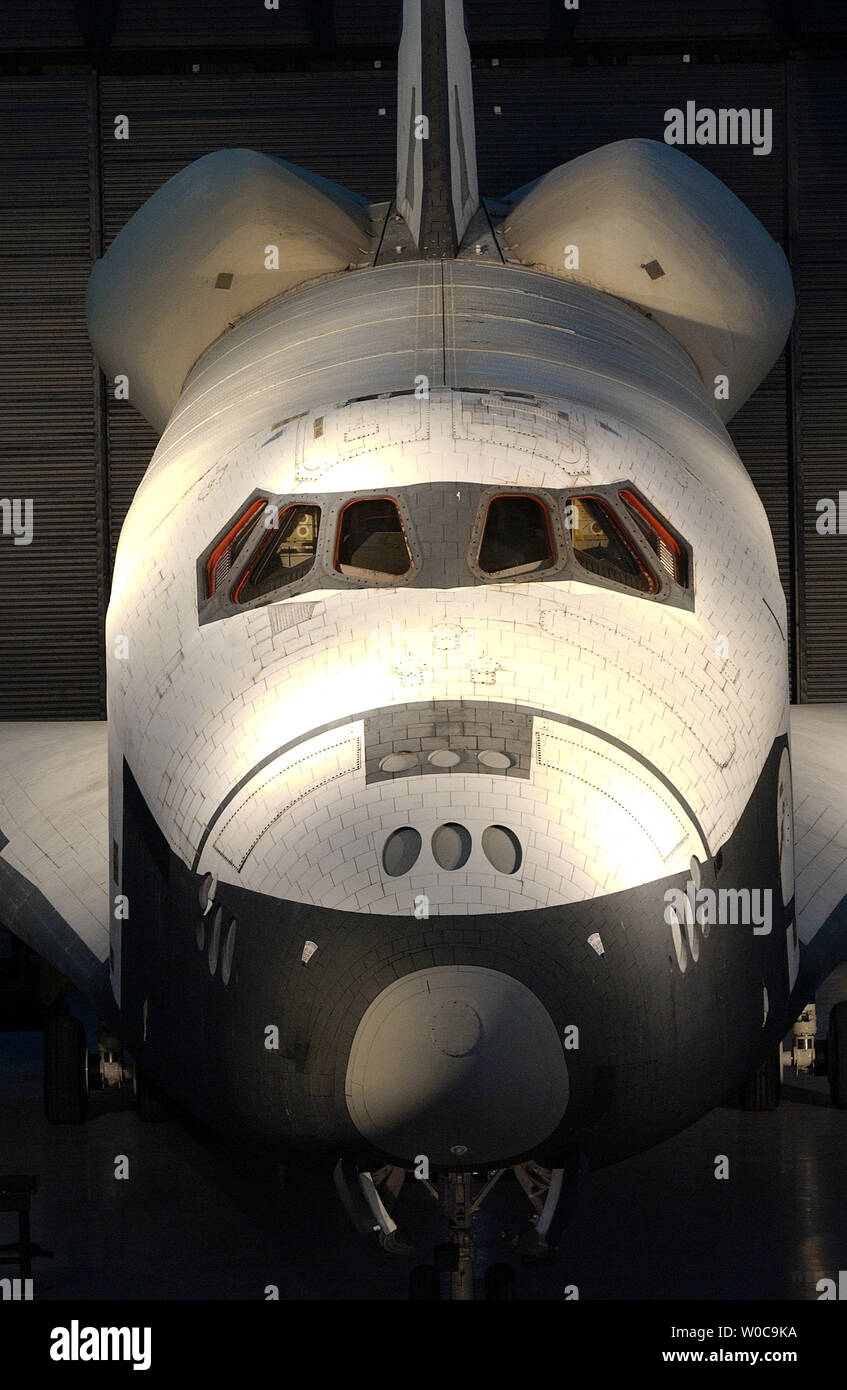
[(460, 1063)]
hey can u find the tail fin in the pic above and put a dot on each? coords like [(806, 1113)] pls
[(437, 192)]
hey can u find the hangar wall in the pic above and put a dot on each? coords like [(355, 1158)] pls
[(70, 186)]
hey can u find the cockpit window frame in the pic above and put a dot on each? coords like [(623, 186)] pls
[(554, 525), (661, 524), (260, 553), (321, 574), (379, 578), (245, 520), (442, 557), (650, 571)]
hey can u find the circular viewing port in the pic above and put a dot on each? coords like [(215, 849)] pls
[(401, 850), (678, 940), (228, 951), (451, 846), (215, 941), (444, 757), (398, 762), (502, 849), (492, 757)]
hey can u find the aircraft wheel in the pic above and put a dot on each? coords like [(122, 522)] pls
[(836, 1054), (152, 1104), (65, 1070), (424, 1283), (761, 1090), (499, 1282)]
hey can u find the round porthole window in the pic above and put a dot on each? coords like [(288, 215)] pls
[(451, 846), (691, 929), (444, 757), (702, 913), (502, 849), (228, 951), (215, 941), (678, 940), (398, 762), (401, 851), (493, 758)]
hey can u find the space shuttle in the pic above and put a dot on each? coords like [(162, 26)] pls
[(450, 810)]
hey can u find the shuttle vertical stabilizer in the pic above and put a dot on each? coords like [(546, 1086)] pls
[(437, 192)]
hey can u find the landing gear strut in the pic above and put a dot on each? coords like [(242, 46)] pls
[(457, 1201), (543, 1188), (370, 1199), (456, 1256)]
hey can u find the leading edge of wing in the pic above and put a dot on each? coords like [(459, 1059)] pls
[(819, 773), (53, 846)]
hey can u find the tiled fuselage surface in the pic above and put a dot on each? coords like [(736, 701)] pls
[(503, 977)]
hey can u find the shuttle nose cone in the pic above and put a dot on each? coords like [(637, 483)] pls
[(460, 1063)]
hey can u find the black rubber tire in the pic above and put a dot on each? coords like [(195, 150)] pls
[(499, 1282), (424, 1283), (152, 1104), (65, 1065), (761, 1091), (836, 1054)]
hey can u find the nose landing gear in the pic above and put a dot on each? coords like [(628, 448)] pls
[(454, 1192), (457, 1255), (370, 1200)]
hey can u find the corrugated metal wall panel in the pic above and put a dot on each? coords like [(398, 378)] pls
[(550, 116), (40, 24), (212, 24), (327, 122), (820, 347), (819, 17), (608, 21), (175, 25), (499, 22), (760, 433), (668, 19), (51, 591), (378, 23), (131, 443)]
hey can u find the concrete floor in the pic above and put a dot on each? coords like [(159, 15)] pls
[(195, 1222)]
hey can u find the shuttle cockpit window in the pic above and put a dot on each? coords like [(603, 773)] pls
[(443, 535), (227, 551), (517, 537), (665, 547), (287, 554), (602, 546), (371, 539)]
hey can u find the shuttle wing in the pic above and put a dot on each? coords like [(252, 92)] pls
[(819, 761), (53, 847)]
